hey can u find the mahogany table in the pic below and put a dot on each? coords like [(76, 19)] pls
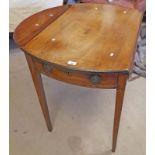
[(90, 45)]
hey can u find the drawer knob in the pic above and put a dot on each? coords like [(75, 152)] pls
[(95, 79), (47, 66)]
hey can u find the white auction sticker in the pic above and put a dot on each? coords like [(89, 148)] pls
[(71, 62)]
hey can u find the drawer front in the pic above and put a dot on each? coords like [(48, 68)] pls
[(82, 78)]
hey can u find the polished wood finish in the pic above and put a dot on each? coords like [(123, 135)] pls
[(137, 4), (122, 78), (38, 22), (108, 28), (36, 76), (90, 45)]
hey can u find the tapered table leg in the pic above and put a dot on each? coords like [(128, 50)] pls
[(36, 76), (118, 107)]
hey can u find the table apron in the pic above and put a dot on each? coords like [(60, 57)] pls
[(76, 77)]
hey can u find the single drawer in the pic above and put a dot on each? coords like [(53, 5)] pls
[(82, 78)]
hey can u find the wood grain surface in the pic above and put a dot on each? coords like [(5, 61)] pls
[(95, 37), (30, 27)]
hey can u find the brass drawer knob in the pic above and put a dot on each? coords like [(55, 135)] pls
[(95, 79), (47, 67)]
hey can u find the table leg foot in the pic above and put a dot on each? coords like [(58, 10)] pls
[(118, 107), (37, 80)]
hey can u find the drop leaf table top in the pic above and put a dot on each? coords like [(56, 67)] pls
[(97, 37)]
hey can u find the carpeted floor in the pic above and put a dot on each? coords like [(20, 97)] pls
[(82, 117)]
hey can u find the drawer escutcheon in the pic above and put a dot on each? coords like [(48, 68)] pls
[(95, 79)]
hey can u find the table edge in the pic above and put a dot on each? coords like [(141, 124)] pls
[(69, 68)]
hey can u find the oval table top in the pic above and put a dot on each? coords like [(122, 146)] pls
[(85, 37)]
